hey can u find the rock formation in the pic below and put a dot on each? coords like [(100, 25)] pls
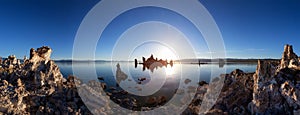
[(234, 97), (37, 86), (40, 73), (289, 58), (151, 63), (273, 89), (266, 95), (120, 75)]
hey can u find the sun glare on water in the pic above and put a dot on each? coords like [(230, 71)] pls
[(166, 53), (158, 51), (169, 71)]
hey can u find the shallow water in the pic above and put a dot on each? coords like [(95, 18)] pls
[(107, 70), (165, 78), (161, 81)]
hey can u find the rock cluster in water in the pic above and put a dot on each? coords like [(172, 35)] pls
[(151, 63), (273, 89)]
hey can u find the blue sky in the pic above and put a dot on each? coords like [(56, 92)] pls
[(250, 29)]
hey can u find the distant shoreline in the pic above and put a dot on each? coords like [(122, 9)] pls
[(186, 61)]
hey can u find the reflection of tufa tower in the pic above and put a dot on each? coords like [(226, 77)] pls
[(144, 59), (135, 63)]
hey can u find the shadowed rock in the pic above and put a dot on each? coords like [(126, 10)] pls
[(273, 89)]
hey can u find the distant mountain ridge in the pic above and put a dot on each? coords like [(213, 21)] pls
[(201, 60), (226, 60)]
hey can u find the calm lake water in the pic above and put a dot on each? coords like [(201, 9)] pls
[(159, 76), (107, 70), (161, 81)]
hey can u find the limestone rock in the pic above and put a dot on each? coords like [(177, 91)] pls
[(41, 71), (235, 95), (36, 86), (120, 75), (12, 59), (289, 58), (273, 89), (42, 53), (291, 94), (266, 95)]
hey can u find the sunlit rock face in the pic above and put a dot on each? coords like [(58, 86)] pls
[(11, 62), (42, 53), (12, 59), (12, 97), (289, 58), (42, 71), (36, 86)]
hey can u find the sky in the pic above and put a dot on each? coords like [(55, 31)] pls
[(250, 29)]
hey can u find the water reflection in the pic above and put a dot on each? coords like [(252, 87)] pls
[(120, 75), (154, 66), (107, 70), (151, 63), (159, 86), (158, 91)]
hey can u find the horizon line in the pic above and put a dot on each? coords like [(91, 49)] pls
[(174, 60)]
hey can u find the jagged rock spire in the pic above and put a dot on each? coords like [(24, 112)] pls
[(42, 53), (289, 58), (288, 52)]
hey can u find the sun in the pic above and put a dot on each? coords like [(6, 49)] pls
[(166, 53)]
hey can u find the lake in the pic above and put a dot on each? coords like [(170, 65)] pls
[(158, 80), (107, 69)]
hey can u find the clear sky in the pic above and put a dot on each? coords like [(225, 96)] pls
[(250, 29)]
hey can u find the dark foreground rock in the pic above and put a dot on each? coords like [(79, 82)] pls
[(273, 89)]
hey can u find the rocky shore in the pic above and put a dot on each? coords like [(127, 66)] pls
[(36, 86), (273, 89)]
